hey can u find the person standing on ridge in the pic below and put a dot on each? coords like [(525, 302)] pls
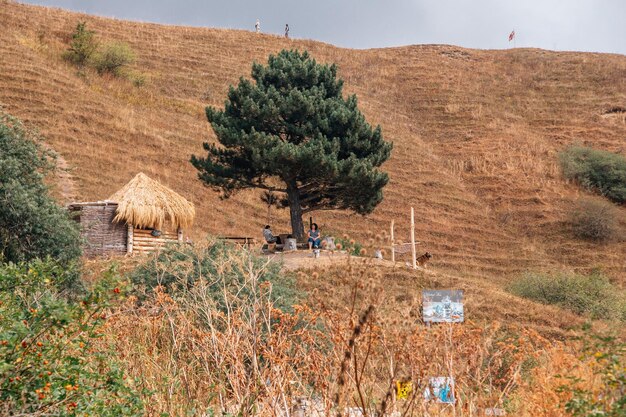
[(257, 26), (287, 30)]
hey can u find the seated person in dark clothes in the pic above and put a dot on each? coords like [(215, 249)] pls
[(269, 236), (315, 239)]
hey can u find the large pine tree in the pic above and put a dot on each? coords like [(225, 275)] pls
[(292, 132)]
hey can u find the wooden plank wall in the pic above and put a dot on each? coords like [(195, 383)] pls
[(102, 237), (144, 242)]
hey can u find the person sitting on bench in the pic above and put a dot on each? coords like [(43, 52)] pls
[(269, 236), (315, 240)]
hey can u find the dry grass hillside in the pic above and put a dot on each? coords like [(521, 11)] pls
[(476, 133)]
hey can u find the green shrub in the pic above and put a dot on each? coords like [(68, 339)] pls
[(349, 245), (52, 361), (592, 295), (607, 356), (138, 79), (113, 58), (594, 220), (83, 45), (595, 169), (31, 224), (220, 268)]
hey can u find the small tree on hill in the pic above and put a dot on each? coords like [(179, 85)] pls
[(291, 132), (83, 45)]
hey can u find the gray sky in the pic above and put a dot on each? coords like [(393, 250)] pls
[(580, 25)]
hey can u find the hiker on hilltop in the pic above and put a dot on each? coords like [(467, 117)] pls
[(257, 26), (287, 30)]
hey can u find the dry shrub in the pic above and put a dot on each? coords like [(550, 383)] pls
[(594, 220), (229, 351), (254, 359), (487, 362)]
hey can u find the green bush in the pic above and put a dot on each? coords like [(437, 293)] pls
[(113, 58), (594, 220), (595, 169), (349, 245), (220, 268), (52, 361), (592, 295), (607, 355), (31, 224), (83, 45), (138, 79)]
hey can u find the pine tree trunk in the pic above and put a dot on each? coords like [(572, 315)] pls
[(295, 211)]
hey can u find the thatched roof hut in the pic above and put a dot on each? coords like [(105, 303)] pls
[(146, 203), (140, 217)]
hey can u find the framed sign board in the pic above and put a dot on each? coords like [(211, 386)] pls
[(443, 306)]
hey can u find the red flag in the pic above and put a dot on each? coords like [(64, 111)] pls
[(511, 36)]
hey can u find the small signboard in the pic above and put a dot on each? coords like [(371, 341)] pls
[(403, 389), (440, 389), (443, 306), (495, 412)]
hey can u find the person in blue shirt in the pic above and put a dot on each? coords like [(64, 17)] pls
[(315, 239)]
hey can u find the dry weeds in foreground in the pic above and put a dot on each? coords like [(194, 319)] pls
[(238, 354)]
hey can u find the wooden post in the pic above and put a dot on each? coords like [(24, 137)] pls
[(180, 234), (393, 242), (413, 254), (129, 243)]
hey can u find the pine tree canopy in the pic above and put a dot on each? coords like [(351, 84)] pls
[(291, 131)]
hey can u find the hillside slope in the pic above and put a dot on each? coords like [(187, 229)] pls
[(475, 133)]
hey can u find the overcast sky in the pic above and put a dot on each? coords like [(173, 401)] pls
[(580, 25)]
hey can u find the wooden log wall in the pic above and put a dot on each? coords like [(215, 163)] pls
[(102, 236), (144, 242)]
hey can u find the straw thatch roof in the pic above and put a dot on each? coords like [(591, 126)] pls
[(144, 202)]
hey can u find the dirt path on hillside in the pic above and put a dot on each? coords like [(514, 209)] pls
[(304, 259), (65, 185)]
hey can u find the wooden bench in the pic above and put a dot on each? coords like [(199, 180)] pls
[(244, 241)]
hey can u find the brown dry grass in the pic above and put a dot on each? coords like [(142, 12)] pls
[(476, 133), (346, 350)]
